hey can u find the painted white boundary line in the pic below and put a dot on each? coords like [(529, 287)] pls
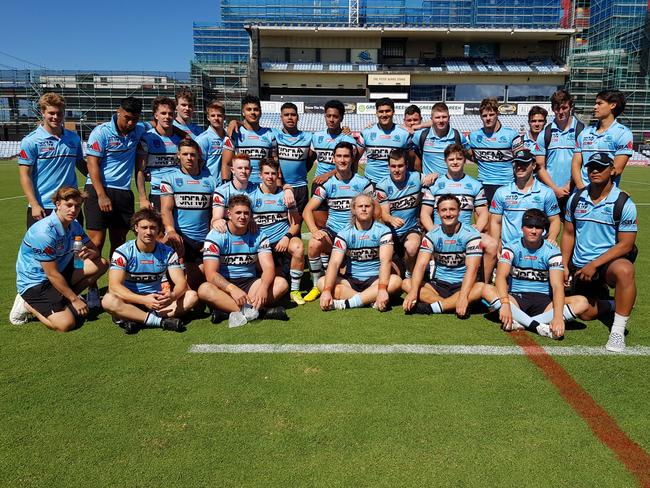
[(435, 350), (11, 198)]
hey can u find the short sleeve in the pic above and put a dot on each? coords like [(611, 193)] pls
[(340, 244), (96, 145), (320, 193), (173, 261), (362, 142), (568, 215), (555, 262), (480, 200), (166, 189), (551, 206), (624, 144), (497, 203), (386, 239), (264, 245), (28, 153), (473, 247), (44, 247), (211, 247), (229, 144), (540, 144), (507, 255), (579, 140), (463, 141), (426, 245), (428, 198), (119, 260), (628, 221), (381, 192)]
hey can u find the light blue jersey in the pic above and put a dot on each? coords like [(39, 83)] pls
[(403, 199), (211, 151), (493, 154), (433, 148), (237, 255), (450, 251), (378, 144), (161, 156), (45, 241), (270, 213), (225, 192), (116, 153), (511, 202), (144, 270), (323, 144), (293, 153), (361, 248), (559, 153), (468, 190), (595, 228), (529, 268), (190, 129), (258, 145), (339, 194), (615, 141), (193, 200), (52, 161)]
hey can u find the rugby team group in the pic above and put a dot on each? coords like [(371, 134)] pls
[(221, 223)]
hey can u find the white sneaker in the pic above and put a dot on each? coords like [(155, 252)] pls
[(92, 299), (545, 330), (249, 312), (236, 319), (19, 314), (616, 342), (516, 326)]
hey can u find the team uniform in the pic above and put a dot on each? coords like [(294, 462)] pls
[(378, 144), (53, 161), (193, 201), (510, 202), (190, 129), (433, 147), (559, 152), (361, 249), (615, 141), (257, 145), (468, 190), (225, 192), (271, 216), (293, 153), (529, 274), (211, 151), (116, 155), (46, 241), (237, 255), (161, 158), (449, 253)]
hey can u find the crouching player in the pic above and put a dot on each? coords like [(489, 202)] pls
[(368, 246), (535, 298), (456, 249), (229, 261), (47, 278)]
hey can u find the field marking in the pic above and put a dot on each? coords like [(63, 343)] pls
[(422, 349), (604, 427), (11, 198)]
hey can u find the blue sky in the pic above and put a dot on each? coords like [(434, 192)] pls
[(107, 35)]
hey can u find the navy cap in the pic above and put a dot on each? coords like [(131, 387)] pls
[(523, 157), (600, 159)]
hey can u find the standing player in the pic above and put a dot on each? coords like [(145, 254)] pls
[(536, 122), (49, 276), (47, 159), (157, 153), (456, 249), (185, 103), (608, 136), (368, 247), (212, 140), (136, 297)]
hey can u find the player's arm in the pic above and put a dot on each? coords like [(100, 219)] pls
[(94, 171), (576, 170), (554, 228), (624, 244), (226, 159), (140, 168), (495, 226), (265, 259), (308, 215), (311, 159), (417, 277), (472, 264), (556, 280), (218, 213), (58, 281), (172, 237), (620, 161), (482, 217), (116, 278), (426, 215), (177, 276), (27, 184), (566, 245), (501, 283), (293, 217), (385, 263), (336, 261)]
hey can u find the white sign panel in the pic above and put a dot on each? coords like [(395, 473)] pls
[(274, 107), (524, 108)]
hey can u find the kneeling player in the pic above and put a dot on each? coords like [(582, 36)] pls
[(456, 248), (47, 277), (229, 262), (137, 295), (536, 292), (368, 245)]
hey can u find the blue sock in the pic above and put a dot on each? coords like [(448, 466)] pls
[(354, 302), (153, 320), (436, 307), (522, 317), (546, 317)]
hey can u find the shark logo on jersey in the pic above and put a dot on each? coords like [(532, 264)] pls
[(118, 260)]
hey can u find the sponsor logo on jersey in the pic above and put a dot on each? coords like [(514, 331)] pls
[(49, 251), (146, 261), (192, 201), (506, 255), (292, 153), (450, 260), (119, 261), (339, 243), (23, 154), (364, 254), (239, 259), (164, 188), (529, 274)]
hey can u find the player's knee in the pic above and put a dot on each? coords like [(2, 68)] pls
[(321, 283), (624, 273), (205, 290), (406, 285), (297, 248), (63, 322), (314, 247), (489, 245), (111, 303), (191, 298)]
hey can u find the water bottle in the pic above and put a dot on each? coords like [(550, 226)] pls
[(76, 247)]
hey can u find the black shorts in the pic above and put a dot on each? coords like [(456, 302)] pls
[(120, 217), (31, 220), (302, 197), (45, 298), (532, 303), (323, 207), (398, 241), (193, 250), (444, 289), (490, 190), (360, 285), (596, 288), (282, 260), (155, 201), (243, 283)]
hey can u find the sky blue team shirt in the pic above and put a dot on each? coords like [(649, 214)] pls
[(323, 144), (190, 129), (361, 249), (144, 270), (293, 152), (258, 145), (529, 268), (493, 154), (468, 190), (615, 141), (403, 199), (510, 202), (595, 229), (237, 255), (433, 152), (339, 194), (45, 241), (211, 151), (270, 213), (559, 153), (450, 251), (161, 156), (52, 160), (225, 192), (193, 200), (116, 153), (378, 144)]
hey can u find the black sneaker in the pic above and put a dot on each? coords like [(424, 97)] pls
[(218, 316), (130, 327), (420, 308), (172, 323), (274, 313)]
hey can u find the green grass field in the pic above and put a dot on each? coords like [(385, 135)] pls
[(97, 408)]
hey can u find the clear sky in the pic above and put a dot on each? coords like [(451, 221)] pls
[(106, 35)]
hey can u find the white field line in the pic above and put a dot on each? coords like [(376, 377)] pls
[(11, 198), (422, 349)]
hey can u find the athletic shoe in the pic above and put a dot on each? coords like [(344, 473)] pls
[(249, 312), (236, 319), (92, 299), (173, 324), (517, 326), (274, 313), (130, 327), (218, 316), (338, 304), (544, 330), (420, 308), (616, 342), (19, 314), (313, 294), (296, 297)]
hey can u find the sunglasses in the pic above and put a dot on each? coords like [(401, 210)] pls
[(597, 168)]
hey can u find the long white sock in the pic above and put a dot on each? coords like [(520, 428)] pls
[(325, 259), (296, 276), (620, 322), (153, 320), (316, 269), (436, 307), (546, 317), (355, 301)]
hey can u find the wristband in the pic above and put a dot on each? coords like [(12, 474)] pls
[(289, 235), (382, 286)]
